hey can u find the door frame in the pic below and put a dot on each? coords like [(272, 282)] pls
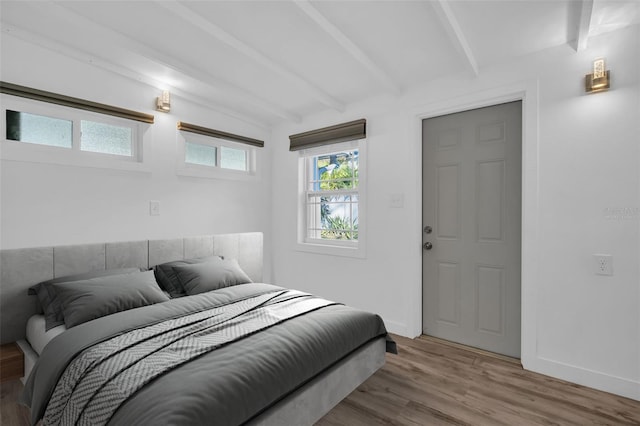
[(527, 92)]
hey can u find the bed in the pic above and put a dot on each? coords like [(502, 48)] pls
[(249, 353)]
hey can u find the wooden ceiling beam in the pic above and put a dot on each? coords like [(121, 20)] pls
[(107, 65), (203, 78), (215, 31), (455, 33), (584, 24), (348, 45)]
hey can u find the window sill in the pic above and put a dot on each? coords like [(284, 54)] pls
[(41, 154), (332, 250), (215, 173)]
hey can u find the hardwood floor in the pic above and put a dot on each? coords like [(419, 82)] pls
[(11, 413), (431, 383)]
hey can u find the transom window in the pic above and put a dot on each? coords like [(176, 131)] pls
[(209, 152), (39, 129), (211, 157), (106, 138), (200, 154), (32, 123), (233, 158)]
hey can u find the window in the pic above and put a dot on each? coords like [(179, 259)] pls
[(94, 136), (332, 197), (203, 155), (331, 207), (211, 153), (106, 138), (332, 188), (37, 131), (233, 158), (206, 154), (210, 157)]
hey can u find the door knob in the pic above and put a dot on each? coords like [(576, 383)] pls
[(427, 246)]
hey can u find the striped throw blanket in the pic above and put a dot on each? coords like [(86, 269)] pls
[(102, 377)]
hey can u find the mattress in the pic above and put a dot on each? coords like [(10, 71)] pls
[(37, 336)]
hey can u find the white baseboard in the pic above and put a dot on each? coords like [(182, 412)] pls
[(585, 377), (397, 328), (559, 370)]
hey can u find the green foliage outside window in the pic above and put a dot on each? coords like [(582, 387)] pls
[(340, 228), (343, 175)]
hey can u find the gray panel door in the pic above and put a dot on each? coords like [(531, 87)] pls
[(472, 203)]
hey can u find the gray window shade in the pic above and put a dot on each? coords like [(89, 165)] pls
[(186, 127), (350, 131), (68, 101)]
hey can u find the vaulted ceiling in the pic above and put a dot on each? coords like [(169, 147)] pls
[(268, 61)]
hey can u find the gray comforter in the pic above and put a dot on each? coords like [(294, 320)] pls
[(226, 386)]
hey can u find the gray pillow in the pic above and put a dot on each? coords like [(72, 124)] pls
[(167, 279), (209, 276), (85, 300), (51, 306)]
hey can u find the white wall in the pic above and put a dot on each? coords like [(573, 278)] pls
[(45, 205), (581, 157)]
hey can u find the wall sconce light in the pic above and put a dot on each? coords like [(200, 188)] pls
[(599, 80), (163, 102)]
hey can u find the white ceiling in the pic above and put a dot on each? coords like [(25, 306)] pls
[(269, 61)]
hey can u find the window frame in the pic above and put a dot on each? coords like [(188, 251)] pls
[(184, 168), (74, 156), (347, 248)]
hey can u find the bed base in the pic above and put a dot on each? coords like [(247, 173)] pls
[(30, 358), (309, 403), (316, 398)]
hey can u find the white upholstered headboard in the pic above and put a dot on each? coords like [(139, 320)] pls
[(22, 268)]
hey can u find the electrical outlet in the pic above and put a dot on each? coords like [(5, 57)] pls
[(154, 208), (396, 201), (603, 264)]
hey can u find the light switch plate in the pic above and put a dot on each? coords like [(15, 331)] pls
[(396, 201), (154, 208)]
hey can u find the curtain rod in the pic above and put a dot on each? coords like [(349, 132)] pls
[(218, 134), (68, 101)]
